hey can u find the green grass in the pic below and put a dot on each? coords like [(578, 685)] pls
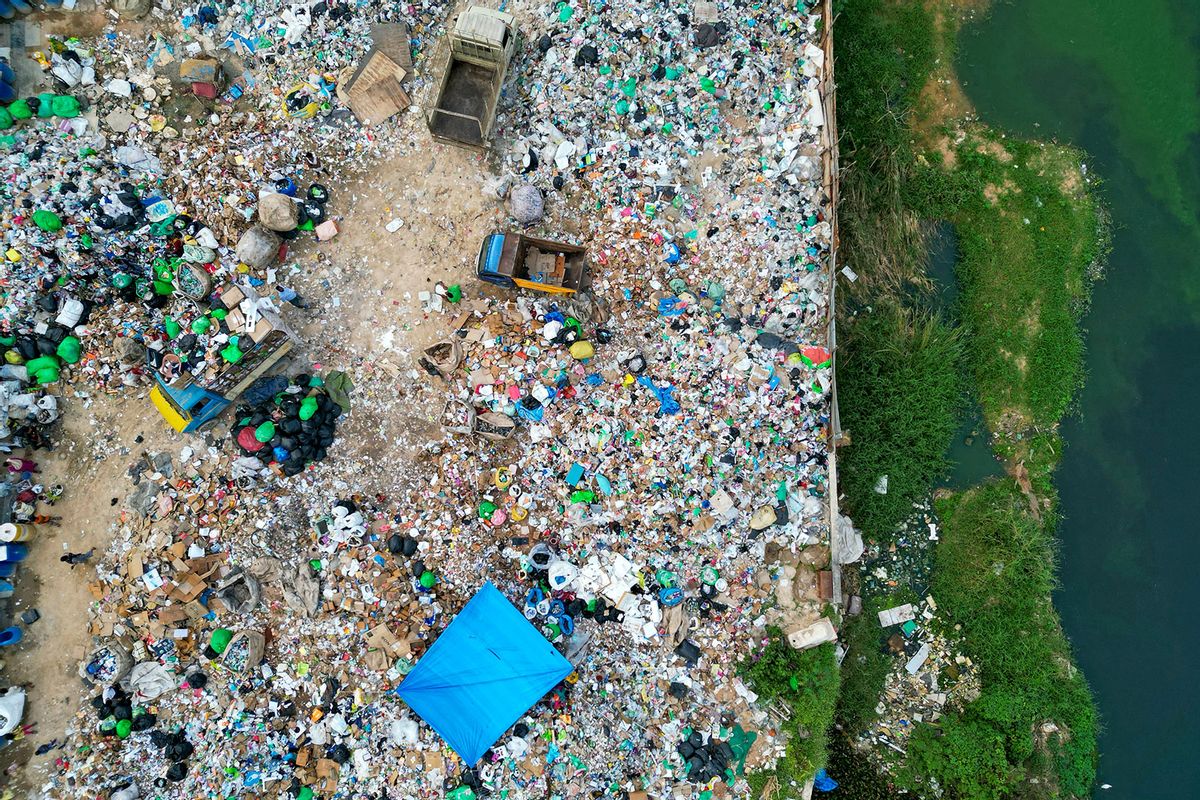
[(866, 665), (900, 394), (807, 682), (994, 572), (1028, 240)]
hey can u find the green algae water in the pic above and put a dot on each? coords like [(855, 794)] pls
[(1122, 81)]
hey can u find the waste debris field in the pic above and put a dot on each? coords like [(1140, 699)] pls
[(422, 400)]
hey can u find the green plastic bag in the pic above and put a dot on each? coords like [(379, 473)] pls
[(6, 120), (265, 432), (220, 640), (45, 375), (200, 325), (45, 105), (65, 106), (47, 221), (124, 728), (172, 327), (19, 109), (233, 354), (69, 350), (428, 579), (35, 364), (308, 407)]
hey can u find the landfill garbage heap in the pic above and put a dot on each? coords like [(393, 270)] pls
[(655, 443)]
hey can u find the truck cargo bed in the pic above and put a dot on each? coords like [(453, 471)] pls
[(467, 91)]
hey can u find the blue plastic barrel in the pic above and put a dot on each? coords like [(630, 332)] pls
[(10, 635), (6, 589), (13, 552), (7, 569)]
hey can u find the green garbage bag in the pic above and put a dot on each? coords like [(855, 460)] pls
[(219, 313), (68, 350), (200, 325), (46, 105), (164, 288), (339, 386), (428, 579), (305, 793), (220, 640), (233, 354), (265, 432), (8, 142), (20, 109), (6, 120), (35, 364), (47, 221), (124, 728), (65, 106), (308, 407), (45, 375), (121, 280), (172, 327)]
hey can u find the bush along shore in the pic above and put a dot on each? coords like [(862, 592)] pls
[(1031, 239)]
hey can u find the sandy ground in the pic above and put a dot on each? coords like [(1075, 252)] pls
[(363, 290)]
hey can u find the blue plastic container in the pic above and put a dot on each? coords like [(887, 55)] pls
[(13, 552), (10, 635)]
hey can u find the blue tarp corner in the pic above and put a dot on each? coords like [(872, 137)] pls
[(482, 674)]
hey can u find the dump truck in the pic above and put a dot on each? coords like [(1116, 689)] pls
[(481, 47), (190, 402), (514, 259)]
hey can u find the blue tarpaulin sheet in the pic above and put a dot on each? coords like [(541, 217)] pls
[(482, 674)]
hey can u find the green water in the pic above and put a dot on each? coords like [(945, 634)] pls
[(1122, 80)]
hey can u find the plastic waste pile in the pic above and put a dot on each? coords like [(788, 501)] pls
[(625, 464)]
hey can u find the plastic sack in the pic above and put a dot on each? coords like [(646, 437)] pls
[(232, 353), (19, 109), (47, 221), (6, 120), (308, 407), (69, 350), (65, 106), (265, 432), (582, 350)]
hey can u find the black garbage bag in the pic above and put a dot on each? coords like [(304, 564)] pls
[(197, 680), (177, 772), (395, 544), (586, 55), (689, 652), (144, 722), (339, 753)]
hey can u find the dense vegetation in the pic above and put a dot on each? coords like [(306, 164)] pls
[(899, 394), (1030, 236), (994, 571), (806, 683)]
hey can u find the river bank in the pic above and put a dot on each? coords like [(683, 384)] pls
[(1126, 88), (1031, 239)]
